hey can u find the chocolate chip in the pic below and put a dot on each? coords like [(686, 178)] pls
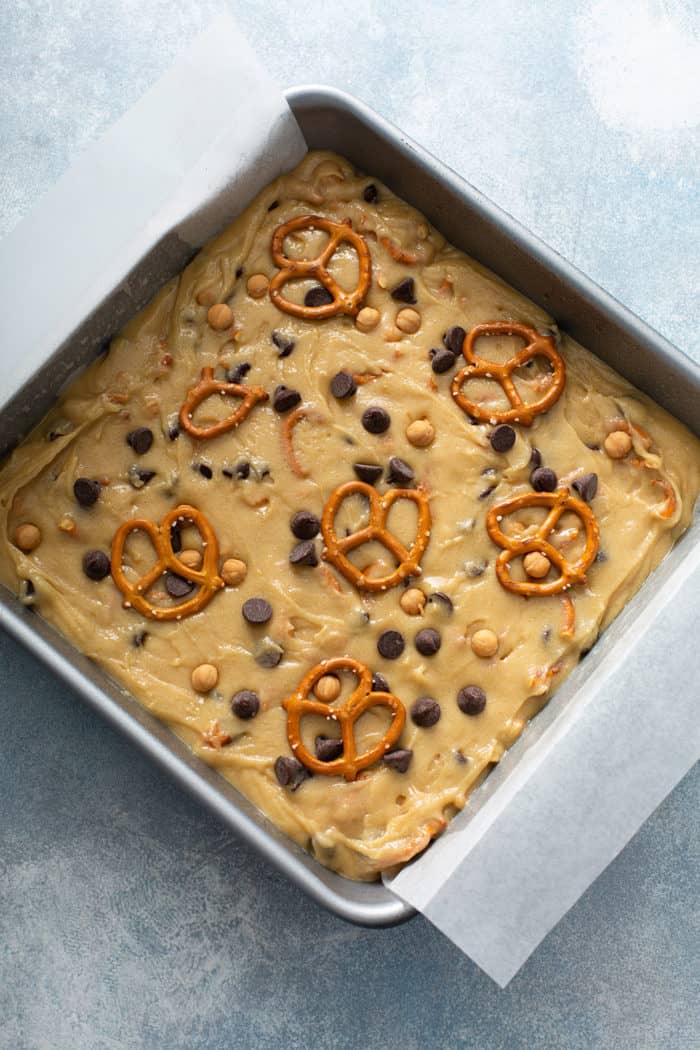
[(427, 641), (471, 700), (26, 593), (273, 206), (268, 653), (543, 479), (502, 438), (239, 272), (535, 457), (96, 565), (175, 538), (328, 748), (86, 491), (284, 399), (442, 361), (405, 291), (205, 470), (390, 645), (399, 472), (290, 772), (139, 477), (379, 683), (139, 639), (245, 704), (485, 493), (173, 432), (304, 554), (238, 373), (177, 586), (475, 568), (376, 420), (442, 599), (454, 339), (256, 610), (305, 525), (370, 473), (601, 556), (318, 296), (140, 440), (370, 193), (241, 470), (284, 343), (343, 385), (586, 486), (425, 712), (399, 759)]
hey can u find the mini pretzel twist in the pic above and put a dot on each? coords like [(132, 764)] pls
[(203, 389), (362, 698), (537, 346), (207, 577), (289, 269), (570, 572), (379, 507)]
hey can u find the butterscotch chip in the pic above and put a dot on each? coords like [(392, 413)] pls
[(413, 601), (484, 643), (257, 285), (536, 565), (67, 524), (204, 678), (618, 444), (27, 537), (327, 688), (367, 319), (408, 321), (191, 558), (206, 297), (420, 433), (234, 571), (220, 316)]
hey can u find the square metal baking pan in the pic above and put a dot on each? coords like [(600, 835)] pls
[(330, 119)]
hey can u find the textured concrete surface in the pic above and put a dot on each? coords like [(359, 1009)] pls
[(129, 918)]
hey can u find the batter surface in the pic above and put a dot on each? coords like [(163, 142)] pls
[(461, 659)]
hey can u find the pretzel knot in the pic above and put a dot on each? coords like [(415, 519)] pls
[(207, 578), (569, 572), (379, 507), (207, 386), (519, 412), (291, 269), (362, 698)]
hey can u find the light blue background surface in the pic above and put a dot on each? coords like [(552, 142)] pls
[(128, 917)]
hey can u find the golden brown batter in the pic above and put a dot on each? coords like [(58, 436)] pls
[(249, 404)]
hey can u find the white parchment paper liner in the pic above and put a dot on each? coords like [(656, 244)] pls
[(185, 160)]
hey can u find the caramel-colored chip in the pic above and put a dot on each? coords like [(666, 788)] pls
[(27, 537), (233, 571), (618, 444), (484, 643), (367, 319), (408, 321), (328, 688), (536, 565), (220, 317), (420, 433), (191, 558), (204, 678), (257, 285), (413, 601)]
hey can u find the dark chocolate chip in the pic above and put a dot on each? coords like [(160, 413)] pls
[(245, 704), (390, 645), (290, 772), (471, 700), (485, 493), (140, 440), (405, 291), (601, 556), (177, 586), (175, 538), (442, 361), (461, 757), (238, 373), (376, 420), (304, 554), (370, 193), (268, 653), (399, 472), (442, 599), (454, 339), (586, 486), (284, 399), (474, 569), (425, 712), (399, 759), (242, 469), (328, 748), (305, 525), (205, 470), (379, 683), (26, 592), (239, 272), (427, 641), (343, 385), (535, 457), (173, 432), (502, 438), (318, 296), (543, 479), (370, 473), (256, 610), (283, 342), (96, 565), (86, 491), (275, 204), (139, 639), (139, 477)]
